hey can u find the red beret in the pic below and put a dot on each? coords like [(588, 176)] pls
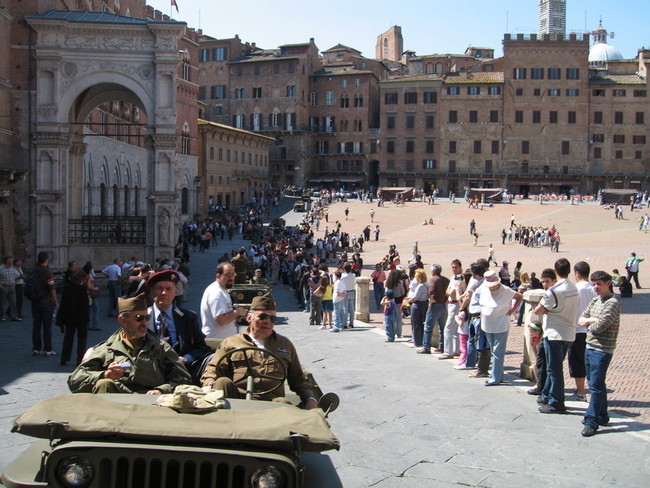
[(167, 275)]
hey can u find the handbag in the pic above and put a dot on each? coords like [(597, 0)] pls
[(93, 293)]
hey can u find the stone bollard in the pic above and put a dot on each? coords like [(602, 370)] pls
[(362, 299), (532, 334)]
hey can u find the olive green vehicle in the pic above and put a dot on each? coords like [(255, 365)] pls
[(127, 441), (299, 206)]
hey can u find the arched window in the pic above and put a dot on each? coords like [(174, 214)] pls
[(185, 140), (103, 200), (136, 201), (185, 201), (385, 56), (127, 201), (439, 68), (429, 68), (116, 201)]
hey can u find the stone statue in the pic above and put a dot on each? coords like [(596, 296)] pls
[(163, 228)]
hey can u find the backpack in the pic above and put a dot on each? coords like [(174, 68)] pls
[(35, 288)]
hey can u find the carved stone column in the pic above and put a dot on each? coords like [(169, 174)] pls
[(362, 299)]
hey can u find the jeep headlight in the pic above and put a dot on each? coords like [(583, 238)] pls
[(267, 477), (75, 471)]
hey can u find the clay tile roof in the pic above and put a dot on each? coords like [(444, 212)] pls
[(473, 78), (617, 80)]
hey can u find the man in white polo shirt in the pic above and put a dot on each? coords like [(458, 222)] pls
[(560, 305), (217, 313)]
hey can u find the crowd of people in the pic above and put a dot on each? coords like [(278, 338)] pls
[(470, 311)]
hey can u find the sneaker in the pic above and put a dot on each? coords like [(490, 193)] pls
[(552, 408), (388, 340), (423, 351), (478, 374), (322, 327), (437, 350), (577, 397), (460, 366), (534, 391), (36, 353), (446, 356), (17, 319), (335, 330), (541, 400), (49, 353)]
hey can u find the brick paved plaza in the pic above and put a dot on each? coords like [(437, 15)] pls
[(588, 232)]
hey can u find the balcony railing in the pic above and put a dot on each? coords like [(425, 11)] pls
[(108, 230)]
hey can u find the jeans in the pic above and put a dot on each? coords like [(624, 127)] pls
[(437, 313), (597, 363), (553, 391), (94, 314), (316, 309), (497, 342), (418, 314), (477, 342), (42, 323), (379, 293), (339, 315), (349, 308), (389, 326), (114, 291)]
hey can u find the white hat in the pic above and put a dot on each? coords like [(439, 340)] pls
[(491, 279)]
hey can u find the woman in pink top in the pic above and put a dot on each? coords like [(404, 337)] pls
[(378, 277)]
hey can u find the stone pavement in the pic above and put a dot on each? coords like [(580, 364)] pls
[(411, 421), (588, 232)]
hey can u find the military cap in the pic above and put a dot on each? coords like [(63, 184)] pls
[(166, 275), (138, 302), (263, 302)]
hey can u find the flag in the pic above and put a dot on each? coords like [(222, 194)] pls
[(174, 4)]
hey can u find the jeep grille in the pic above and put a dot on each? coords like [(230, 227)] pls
[(181, 467)]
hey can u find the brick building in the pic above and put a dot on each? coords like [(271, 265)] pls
[(541, 118), (233, 165)]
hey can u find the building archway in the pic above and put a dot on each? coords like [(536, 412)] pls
[(105, 105)]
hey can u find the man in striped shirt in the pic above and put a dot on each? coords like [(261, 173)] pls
[(602, 320)]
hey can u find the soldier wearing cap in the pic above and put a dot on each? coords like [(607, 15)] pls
[(177, 326), (232, 373), (132, 360), (240, 262)]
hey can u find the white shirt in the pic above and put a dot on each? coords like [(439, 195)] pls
[(561, 302), (339, 287), (494, 308), (349, 279), (586, 294), (216, 301)]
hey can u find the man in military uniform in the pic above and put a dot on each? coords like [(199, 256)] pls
[(258, 279), (232, 373), (133, 360), (240, 262)]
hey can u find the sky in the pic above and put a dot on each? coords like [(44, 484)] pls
[(428, 26)]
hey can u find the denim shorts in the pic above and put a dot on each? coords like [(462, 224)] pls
[(328, 305)]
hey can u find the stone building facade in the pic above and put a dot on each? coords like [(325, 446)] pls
[(233, 166), (102, 139)]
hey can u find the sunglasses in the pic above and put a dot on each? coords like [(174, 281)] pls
[(142, 318), (266, 316)]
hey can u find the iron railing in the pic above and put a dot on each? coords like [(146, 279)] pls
[(108, 230)]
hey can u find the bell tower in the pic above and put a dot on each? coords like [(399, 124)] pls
[(552, 17)]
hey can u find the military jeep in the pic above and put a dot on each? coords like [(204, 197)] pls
[(121, 440)]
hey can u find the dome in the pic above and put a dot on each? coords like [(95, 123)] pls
[(602, 53)]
